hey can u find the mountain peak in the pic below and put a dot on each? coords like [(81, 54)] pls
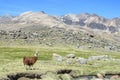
[(31, 13), (84, 20)]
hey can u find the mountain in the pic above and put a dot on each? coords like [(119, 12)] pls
[(6, 19), (92, 21), (67, 29), (88, 21), (38, 18)]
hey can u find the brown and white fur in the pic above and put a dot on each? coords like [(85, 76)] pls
[(30, 61)]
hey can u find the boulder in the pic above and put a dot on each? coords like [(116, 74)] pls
[(115, 77), (81, 60), (70, 56), (100, 76), (57, 57), (66, 77), (101, 57), (68, 61)]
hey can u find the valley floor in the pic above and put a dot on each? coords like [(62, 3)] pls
[(11, 61)]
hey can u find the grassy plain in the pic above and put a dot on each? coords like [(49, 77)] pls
[(11, 60)]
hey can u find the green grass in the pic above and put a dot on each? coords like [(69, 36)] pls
[(11, 60)]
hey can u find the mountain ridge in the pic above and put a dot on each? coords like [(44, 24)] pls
[(81, 30), (84, 20)]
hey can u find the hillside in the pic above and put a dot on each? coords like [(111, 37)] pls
[(79, 30), (86, 21)]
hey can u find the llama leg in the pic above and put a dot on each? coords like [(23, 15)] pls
[(30, 67), (33, 67), (25, 66)]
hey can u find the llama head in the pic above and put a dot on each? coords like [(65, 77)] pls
[(36, 54)]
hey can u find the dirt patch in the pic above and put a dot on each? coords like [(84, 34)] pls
[(31, 75), (64, 71), (25, 75)]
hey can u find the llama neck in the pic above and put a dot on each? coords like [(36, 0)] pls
[(35, 56)]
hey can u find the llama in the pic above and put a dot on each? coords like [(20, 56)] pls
[(30, 61)]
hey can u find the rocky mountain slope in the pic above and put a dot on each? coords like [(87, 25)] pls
[(89, 21), (73, 29)]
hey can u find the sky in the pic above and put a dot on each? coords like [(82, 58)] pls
[(105, 8)]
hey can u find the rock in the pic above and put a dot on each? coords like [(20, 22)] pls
[(57, 57), (91, 35), (12, 76), (66, 77), (23, 78), (68, 61), (70, 56), (75, 73), (102, 57), (81, 60), (98, 79), (100, 76), (50, 76), (99, 26), (23, 36), (3, 32), (114, 77)]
